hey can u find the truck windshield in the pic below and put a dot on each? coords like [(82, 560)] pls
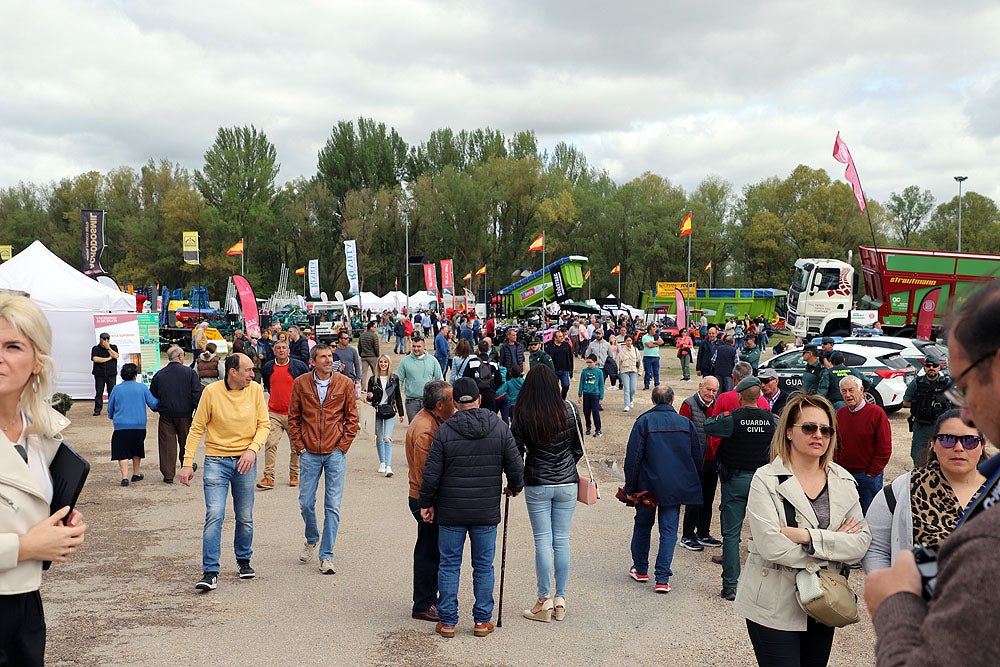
[(800, 281)]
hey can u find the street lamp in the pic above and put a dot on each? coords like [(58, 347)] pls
[(960, 179)]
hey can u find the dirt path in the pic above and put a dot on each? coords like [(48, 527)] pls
[(128, 597)]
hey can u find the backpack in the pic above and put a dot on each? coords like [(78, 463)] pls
[(485, 375)]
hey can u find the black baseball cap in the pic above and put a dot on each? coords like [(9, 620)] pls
[(465, 391)]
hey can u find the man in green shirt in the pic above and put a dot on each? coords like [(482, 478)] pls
[(651, 357), (415, 370)]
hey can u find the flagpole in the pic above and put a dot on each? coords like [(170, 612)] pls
[(619, 283), (543, 277), (243, 259), (687, 304)]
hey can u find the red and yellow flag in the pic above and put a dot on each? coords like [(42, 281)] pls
[(538, 244), (617, 269), (708, 267), (686, 225), (300, 271), (481, 271), (586, 276), (468, 276), (237, 248)]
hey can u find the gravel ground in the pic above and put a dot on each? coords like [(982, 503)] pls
[(128, 596)]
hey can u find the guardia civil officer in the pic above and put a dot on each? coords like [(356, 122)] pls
[(926, 400)]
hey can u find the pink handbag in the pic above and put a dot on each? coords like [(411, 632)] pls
[(586, 490)]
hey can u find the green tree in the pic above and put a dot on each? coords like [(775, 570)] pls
[(980, 225), (369, 156), (909, 211)]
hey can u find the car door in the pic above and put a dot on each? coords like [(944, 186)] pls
[(789, 367)]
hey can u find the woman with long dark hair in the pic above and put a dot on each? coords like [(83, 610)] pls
[(546, 429), (30, 434)]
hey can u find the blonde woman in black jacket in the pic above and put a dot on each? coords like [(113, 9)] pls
[(383, 395), (545, 428)]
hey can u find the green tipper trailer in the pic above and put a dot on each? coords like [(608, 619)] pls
[(719, 304), (553, 280)]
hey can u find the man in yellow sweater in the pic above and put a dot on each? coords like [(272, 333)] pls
[(232, 415)]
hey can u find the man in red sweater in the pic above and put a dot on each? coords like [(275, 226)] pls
[(864, 440), (278, 375)]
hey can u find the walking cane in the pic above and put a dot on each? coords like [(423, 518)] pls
[(503, 559)]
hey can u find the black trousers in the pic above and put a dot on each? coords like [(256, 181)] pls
[(100, 383), (698, 518), (22, 630), (425, 561), (787, 648)]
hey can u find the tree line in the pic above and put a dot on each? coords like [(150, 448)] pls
[(476, 196)]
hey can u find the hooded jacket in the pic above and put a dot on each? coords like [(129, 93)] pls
[(462, 476)]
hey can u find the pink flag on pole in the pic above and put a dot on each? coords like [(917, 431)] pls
[(251, 317), (681, 319), (843, 155)]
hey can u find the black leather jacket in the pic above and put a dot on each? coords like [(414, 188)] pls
[(547, 464), (375, 389)]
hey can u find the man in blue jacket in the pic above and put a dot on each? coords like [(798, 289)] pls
[(663, 457), (441, 348)]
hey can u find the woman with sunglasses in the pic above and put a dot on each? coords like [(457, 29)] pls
[(924, 505), (831, 532), (29, 437)]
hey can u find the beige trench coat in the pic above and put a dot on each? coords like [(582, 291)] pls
[(766, 591)]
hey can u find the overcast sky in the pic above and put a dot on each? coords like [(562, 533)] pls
[(744, 90)]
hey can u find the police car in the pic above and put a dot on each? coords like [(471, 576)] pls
[(911, 349), (888, 371)]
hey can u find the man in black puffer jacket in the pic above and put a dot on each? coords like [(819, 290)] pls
[(461, 488)]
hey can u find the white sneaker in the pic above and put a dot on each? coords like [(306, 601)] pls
[(307, 552), (388, 471), (381, 468), (627, 408), (326, 566)]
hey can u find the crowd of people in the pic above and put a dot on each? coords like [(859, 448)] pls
[(804, 470)]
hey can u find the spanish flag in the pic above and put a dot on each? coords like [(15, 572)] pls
[(587, 275), (300, 271), (482, 271), (617, 269), (538, 244), (468, 276), (237, 248), (708, 267), (686, 225)]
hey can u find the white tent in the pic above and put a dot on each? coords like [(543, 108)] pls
[(369, 301), (394, 300), (69, 300), (421, 300)]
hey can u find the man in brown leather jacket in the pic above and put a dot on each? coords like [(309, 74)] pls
[(322, 424), (438, 406)]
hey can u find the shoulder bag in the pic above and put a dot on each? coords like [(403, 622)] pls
[(823, 594), (587, 491)]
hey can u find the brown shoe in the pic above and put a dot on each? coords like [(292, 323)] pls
[(482, 629), (266, 483), (429, 614), (717, 560), (293, 479), (446, 631)]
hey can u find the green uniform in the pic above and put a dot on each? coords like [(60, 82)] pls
[(829, 383), (927, 402), (540, 357), (751, 355), (810, 377)]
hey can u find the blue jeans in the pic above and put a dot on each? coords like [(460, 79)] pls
[(221, 475), (667, 519), (629, 379), (564, 381), (383, 439), (550, 509), (651, 365), (868, 488), (451, 543), (311, 466), (398, 347)]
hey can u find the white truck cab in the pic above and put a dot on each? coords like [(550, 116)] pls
[(820, 298)]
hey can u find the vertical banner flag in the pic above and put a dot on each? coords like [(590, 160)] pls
[(314, 278), (248, 303), (237, 248), (538, 244), (617, 269), (6, 252), (686, 225), (843, 156), (681, 320), (93, 241), (557, 283), (925, 316), (190, 247), (447, 277), (351, 252), (430, 279)]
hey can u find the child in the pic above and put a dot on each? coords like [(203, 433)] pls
[(127, 409), (592, 393), (511, 388)]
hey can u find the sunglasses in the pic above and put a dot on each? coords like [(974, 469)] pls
[(809, 428), (949, 440), (926, 365)]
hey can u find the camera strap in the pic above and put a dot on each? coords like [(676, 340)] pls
[(990, 494)]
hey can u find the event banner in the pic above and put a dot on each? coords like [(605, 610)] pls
[(447, 277), (314, 278), (351, 253), (666, 290), (557, 283), (149, 344), (680, 309), (248, 303), (190, 247), (430, 279), (925, 316), (93, 241), (6, 252), (124, 331)]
